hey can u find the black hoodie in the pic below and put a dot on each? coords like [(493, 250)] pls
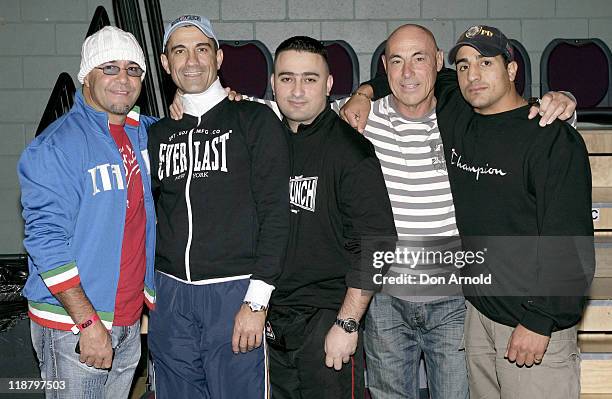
[(338, 198), (524, 193)]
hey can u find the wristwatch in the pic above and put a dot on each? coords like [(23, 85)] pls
[(255, 307), (349, 325)]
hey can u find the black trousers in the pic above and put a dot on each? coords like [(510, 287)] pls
[(297, 358)]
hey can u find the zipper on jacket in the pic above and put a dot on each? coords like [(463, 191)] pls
[(188, 202)]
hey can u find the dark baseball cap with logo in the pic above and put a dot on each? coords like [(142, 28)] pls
[(489, 41)]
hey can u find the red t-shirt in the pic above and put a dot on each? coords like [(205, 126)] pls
[(130, 294)]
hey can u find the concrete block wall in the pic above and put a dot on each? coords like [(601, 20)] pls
[(41, 38)]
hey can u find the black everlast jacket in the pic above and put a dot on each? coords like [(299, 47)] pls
[(222, 194)]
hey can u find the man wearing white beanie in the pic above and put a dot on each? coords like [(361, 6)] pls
[(90, 227)]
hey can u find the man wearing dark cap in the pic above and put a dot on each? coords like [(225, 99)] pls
[(221, 176), (532, 186), (480, 214)]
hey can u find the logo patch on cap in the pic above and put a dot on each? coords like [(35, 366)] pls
[(186, 18), (473, 31), (477, 31)]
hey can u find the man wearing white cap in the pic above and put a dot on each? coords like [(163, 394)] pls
[(90, 227), (222, 227)]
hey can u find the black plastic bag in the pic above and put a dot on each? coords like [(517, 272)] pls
[(13, 275)]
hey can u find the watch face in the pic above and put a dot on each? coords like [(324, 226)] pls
[(255, 307), (350, 326)]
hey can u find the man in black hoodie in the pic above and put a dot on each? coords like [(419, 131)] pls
[(220, 175), (338, 202), (524, 193), (340, 214)]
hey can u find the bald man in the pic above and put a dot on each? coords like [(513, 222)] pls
[(405, 321), (409, 319)]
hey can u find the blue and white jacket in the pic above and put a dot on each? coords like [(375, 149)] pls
[(74, 195)]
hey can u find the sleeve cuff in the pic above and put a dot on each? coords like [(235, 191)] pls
[(149, 296), (259, 292), (570, 95), (362, 281), (380, 87), (61, 278), (574, 119), (537, 323), (337, 104)]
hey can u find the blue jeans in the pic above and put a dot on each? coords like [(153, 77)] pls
[(58, 361), (397, 332)]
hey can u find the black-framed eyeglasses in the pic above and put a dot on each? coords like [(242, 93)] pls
[(133, 71)]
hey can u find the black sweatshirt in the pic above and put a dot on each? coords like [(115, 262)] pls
[(338, 197), (233, 165), (524, 193)]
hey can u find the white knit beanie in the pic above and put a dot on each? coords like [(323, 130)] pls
[(110, 44)]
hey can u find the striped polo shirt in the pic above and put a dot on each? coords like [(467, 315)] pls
[(411, 156)]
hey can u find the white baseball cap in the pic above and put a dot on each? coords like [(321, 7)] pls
[(198, 21)]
